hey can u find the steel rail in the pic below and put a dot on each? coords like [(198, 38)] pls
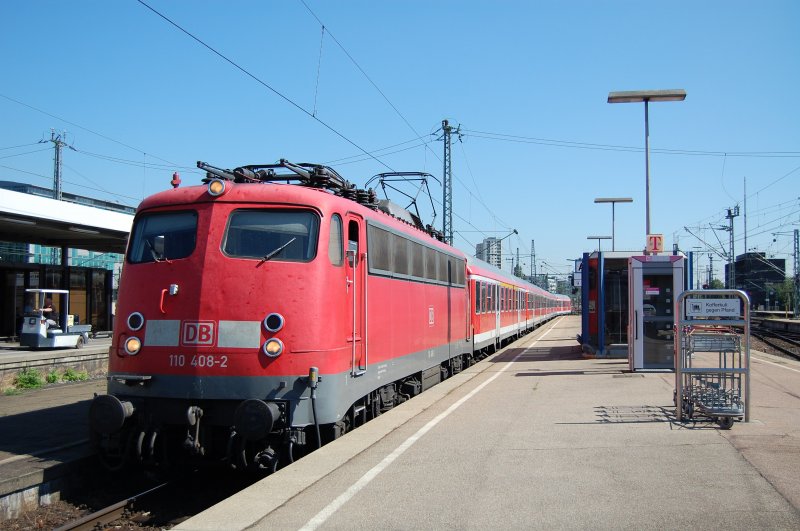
[(108, 514)]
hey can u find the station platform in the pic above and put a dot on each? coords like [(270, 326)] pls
[(92, 358), (44, 432), (538, 437), (784, 325)]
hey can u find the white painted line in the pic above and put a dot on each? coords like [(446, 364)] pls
[(343, 498), (776, 364)]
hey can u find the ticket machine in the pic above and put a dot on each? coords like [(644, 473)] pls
[(654, 282)]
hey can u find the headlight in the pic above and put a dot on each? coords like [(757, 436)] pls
[(272, 347), (273, 322), (216, 187), (132, 346), (135, 321)]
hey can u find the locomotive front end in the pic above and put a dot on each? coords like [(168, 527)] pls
[(212, 345)]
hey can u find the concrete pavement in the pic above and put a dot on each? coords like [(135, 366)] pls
[(538, 437)]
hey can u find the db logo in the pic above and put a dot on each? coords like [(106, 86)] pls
[(198, 333)]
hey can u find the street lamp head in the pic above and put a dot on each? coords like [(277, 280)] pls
[(598, 237), (637, 96), (613, 200)]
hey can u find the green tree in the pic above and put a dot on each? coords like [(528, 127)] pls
[(716, 284), (784, 293)]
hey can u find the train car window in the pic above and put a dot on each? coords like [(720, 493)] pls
[(431, 260), (484, 306), (477, 297), (290, 235), (335, 243), (417, 260), (162, 236), (441, 272), (380, 256), (400, 254), (459, 274)]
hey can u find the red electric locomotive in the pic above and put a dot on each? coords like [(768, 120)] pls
[(276, 307)]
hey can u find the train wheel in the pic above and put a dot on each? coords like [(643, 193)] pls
[(113, 451), (375, 406)]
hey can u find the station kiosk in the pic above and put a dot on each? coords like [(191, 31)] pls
[(654, 283)]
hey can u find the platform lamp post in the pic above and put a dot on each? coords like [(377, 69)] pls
[(646, 96), (598, 238), (613, 201)]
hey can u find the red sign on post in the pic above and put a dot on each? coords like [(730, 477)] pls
[(655, 243)]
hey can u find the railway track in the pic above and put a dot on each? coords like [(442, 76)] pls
[(787, 343), (166, 504), (112, 513)]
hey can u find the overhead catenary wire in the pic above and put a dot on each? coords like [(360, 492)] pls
[(358, 66), (50, 178), (82, 128), (612, 147), (263, 83)]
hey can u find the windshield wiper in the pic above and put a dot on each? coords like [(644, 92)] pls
[(153, 252), (276, 251), (157, 257)]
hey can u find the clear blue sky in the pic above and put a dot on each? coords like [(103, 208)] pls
[(140, 99)]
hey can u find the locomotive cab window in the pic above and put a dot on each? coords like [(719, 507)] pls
[(281, 235), (335, 245), (162, 236)]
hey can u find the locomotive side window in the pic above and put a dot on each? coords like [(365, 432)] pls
[(379, 251), (417, 260), (335, 244), (394, 255), (281, 235), (163, 236), (431, 257), (400, 255)]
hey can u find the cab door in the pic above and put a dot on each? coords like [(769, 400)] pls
[(356, 258)]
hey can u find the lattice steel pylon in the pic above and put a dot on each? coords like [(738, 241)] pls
[(796, 273), (447, 180), (58, 143)]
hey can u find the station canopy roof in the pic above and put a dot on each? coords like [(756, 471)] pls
[(28, 218)]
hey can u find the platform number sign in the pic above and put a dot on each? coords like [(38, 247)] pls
[(655, 243)]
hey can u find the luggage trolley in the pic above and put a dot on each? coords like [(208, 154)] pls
[(712, 366)]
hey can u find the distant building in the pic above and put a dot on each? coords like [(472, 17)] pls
[(758, 275), (24, 253), (91, 277), (490, 251), (25, 188)]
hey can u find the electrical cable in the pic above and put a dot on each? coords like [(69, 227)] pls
[(79, 127), (25, 153), (263, 83), (611, 147)]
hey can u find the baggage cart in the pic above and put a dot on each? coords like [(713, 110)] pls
[(712, 365)]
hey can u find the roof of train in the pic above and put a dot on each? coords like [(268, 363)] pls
[(314, 197), (477, 265), (288, 194)]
